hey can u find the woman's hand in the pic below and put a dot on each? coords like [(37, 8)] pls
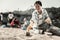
[(48, 20)]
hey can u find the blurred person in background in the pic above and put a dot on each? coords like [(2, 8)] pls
[(26, 23), (2, 25), (10, 16), (1, 17), (1, 21)]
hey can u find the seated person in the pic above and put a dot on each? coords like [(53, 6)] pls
[(10, 16), (2, 25), (15, 23)]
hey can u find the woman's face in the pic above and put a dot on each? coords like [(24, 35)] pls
[(37, 7)]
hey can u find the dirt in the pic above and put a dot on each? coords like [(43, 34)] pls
[(18, 34)]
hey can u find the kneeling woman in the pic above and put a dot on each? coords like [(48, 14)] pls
[(39, 16)]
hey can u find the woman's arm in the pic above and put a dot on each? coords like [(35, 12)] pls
[(48, 20), (30, 26)]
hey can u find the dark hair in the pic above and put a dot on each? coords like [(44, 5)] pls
[(38, 2)]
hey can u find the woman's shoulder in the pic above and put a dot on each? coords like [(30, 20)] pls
[(34, 12)]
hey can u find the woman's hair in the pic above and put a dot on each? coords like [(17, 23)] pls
[(38, 2)]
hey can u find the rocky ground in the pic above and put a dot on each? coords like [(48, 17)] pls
[(18, 34)]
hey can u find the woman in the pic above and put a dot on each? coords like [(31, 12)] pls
[(39, 16)]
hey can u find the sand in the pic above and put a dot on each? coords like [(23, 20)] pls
[(18, 34)]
